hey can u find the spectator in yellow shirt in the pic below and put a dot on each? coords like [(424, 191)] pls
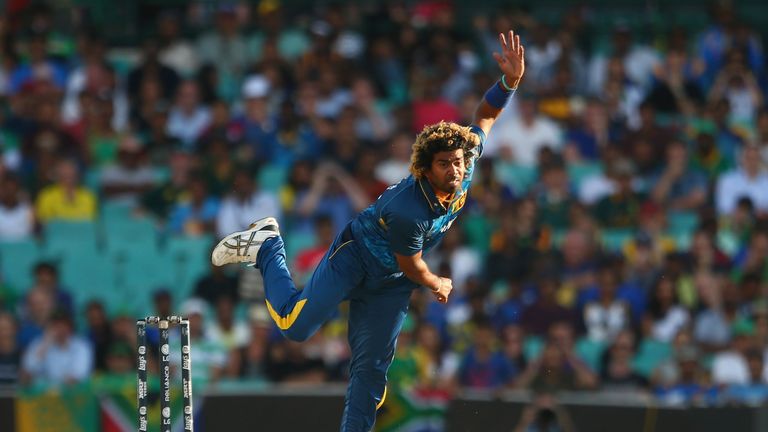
[(66, 199)]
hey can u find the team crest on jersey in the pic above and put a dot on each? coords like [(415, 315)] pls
[(459, 203)]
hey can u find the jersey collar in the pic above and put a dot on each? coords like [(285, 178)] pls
[(429, 194)]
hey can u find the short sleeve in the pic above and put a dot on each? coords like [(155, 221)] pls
[(406, 235), (475, 152), (479, 132)]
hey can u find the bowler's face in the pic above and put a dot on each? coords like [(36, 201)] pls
[(447, 171)]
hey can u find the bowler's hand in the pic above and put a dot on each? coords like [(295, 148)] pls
[(443, 289), (512, 58)]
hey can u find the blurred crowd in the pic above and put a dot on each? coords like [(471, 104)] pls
[(616, 236)]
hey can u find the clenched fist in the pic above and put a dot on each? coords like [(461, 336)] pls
[(443, 289)]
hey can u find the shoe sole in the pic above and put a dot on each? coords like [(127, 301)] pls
[(258, 225)]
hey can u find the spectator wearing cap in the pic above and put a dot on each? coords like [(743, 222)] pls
[(59, 356), (188, 118), (131, 176), (17, 219), (66, 199), (258, 123), (749, 180)]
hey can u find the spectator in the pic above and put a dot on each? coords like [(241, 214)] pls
[(364, 174), (196, 215), (678, 186), (749, 180), (17, 219), (731, 366), (66, 199), (483, 366), (617, 370), (307, 259), (621, 208), (513, 338), (522, 138), (217, 282), (151, 68), (225, 48), (38, 307), (539, 316), (120, 360), (250, 361), (665, 316), (99, 334), (712, 327), (555, 371), (59, 356), (638, 60), (755, 390), (226, 330), (38, 67), (289, 363), (607, 315), (395, 167), (175, 52), (436, 366), (245, 204), (46, 277), (334, 193), (210, 357), (126, 180), (544, 415), (685, 381), (553, 195), (188, 118), (10, 354)]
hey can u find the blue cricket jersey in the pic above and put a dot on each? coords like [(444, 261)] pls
[(408, 217)]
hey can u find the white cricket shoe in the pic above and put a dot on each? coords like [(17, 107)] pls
[(243, 246)]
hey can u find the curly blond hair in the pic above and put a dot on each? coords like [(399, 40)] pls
[(440, 137)]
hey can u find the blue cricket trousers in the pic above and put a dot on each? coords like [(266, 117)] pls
[(378, 305)]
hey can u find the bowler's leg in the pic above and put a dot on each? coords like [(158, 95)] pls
[(374, 324), (299, 313)]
